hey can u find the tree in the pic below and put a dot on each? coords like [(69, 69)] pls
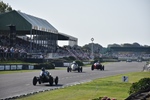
[(126, 45), (4, 7), (113, 45), (136, 44), (96, 47)]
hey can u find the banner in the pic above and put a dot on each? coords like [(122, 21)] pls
[(7, 67), (124, 79), (2, 67), (13, 67), (19, 67), (31, 67)]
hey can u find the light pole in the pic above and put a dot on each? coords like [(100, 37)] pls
[(92, 55)]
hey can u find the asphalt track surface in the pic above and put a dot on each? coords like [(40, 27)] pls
[(16, 84)]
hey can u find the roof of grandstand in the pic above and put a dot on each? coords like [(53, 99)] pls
[(25, 23), (63, 36)]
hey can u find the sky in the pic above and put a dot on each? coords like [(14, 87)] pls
[(107, 21)]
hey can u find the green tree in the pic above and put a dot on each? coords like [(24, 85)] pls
[(136, 44), (4, 7), (113, 45), (96, 47)]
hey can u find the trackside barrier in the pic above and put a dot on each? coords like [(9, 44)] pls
[(26, 67), (15, 67), (86, 62), (66, 64)]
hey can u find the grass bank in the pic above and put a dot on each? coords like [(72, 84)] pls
[(16, 71), (112, 87), (23, 71)]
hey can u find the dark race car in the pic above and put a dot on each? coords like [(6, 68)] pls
[(45, 79), (97, 66)]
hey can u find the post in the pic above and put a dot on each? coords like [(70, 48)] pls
[(92, 54), (30, 41)]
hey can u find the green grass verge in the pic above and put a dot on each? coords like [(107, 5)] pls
[(23, 71), (16, 71), (112, 87)]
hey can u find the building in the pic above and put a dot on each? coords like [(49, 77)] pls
[(41, 35)]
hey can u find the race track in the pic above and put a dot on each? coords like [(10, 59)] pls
[(12, 85)]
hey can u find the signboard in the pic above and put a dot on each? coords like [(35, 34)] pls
[(7, 67), (2, 67), (19, 67), (124, 79), (31, 67), (13, 67), (66, 64)]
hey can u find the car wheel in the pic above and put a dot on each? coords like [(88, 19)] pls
[(78, 69), (103, 67), (56, 80), (34, 80), (39, 81), (92, 67), (68, 69), (51, 80), (81, 69)]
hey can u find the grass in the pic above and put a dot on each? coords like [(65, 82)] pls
[(16, 71), (23, 71), (112, 87)]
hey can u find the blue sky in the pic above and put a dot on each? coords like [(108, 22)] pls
[(107, 21)]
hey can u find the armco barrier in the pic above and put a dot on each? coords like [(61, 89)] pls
[(66, 64), (15, 67)]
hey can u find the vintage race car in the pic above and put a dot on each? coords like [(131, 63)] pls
[(45, 79), (74, 67), (98, 66)]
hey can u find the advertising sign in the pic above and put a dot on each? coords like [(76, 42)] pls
[(7, 67), (19, 67), (2, 67), (13, 67)]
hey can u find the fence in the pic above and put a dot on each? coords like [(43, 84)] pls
[(15, 67)]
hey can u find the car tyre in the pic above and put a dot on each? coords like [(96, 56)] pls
[(34, 80), (81, 69), (51, 81), (68, 69), (103, 67), (39, 81), (78, 69), (92, 67), (56, 80)]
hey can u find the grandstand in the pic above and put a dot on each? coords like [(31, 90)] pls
[(134, 53), (27, 36)]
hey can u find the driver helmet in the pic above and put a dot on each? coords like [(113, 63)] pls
[(74, 62), (43, 69)]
